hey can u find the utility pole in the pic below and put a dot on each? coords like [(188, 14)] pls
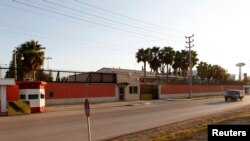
[(190, 45), (15, 64)]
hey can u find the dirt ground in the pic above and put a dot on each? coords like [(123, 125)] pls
[(190, 130)]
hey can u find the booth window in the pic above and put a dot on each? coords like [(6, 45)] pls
[(22, 96), (42, 96), (33, 96), (133, 89)]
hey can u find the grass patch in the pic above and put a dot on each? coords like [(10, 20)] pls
[(197, 125), (189, 130), (199, 97)]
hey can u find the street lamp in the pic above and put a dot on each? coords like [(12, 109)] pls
[(48, 58), (22, 58), (15, 62)]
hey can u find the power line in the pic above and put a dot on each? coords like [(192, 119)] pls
[(54, 18), (46, 15), (127, 17), (29, 29), (58, 39), (107, 19), (77, 18)]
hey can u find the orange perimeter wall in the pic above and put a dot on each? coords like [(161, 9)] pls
[(78, 90), (12, 93), (180, 89), (69, 90)]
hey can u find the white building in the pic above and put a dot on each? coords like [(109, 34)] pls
[(128, 83)]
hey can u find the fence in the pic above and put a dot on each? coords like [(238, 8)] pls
[(95, 77), (156, 80), (58, 76)]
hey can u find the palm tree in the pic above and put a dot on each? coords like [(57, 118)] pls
[(209, 72), (143, 55), (194, 58), (33, 57), (185, 60), (167, 57), (177, 63), (41, 76), (184, 64), (154, 62)]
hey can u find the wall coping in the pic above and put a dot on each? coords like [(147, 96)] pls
[(7, 81), (31, 84)]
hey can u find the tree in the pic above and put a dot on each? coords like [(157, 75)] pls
[(154, 61), (194, 58), (177, 63), (41, 76), (166, 57), (209, 72), (143, 55), (214, 72), (184, 64), (185, 60), (218, 73), (202, 70), (31, 52)]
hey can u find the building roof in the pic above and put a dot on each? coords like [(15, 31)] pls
[(119, 70)]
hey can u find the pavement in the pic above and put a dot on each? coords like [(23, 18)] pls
[(111, 104), (100, 105), (56, 108)]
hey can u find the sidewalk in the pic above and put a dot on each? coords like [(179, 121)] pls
[(112, 104), (99, 105), (122, 103)]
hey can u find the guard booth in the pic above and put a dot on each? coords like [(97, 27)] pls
[(34, 92), (4, 82)]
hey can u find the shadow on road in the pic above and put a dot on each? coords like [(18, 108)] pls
[(220, 102)]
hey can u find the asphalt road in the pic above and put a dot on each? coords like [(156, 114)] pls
[(68, 123)]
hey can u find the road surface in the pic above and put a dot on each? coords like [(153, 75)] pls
[(68, 123)]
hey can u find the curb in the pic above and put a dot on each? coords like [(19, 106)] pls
[(172, 99), (95, 106)]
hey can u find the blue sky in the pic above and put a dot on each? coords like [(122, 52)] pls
[(86, 35)]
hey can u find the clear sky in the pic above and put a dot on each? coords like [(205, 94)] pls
[(86, 35)]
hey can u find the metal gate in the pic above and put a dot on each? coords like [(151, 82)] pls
[(148, 92)]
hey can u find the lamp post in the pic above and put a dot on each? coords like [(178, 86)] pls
[(48, 58), (15, 62), (22, 58)]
